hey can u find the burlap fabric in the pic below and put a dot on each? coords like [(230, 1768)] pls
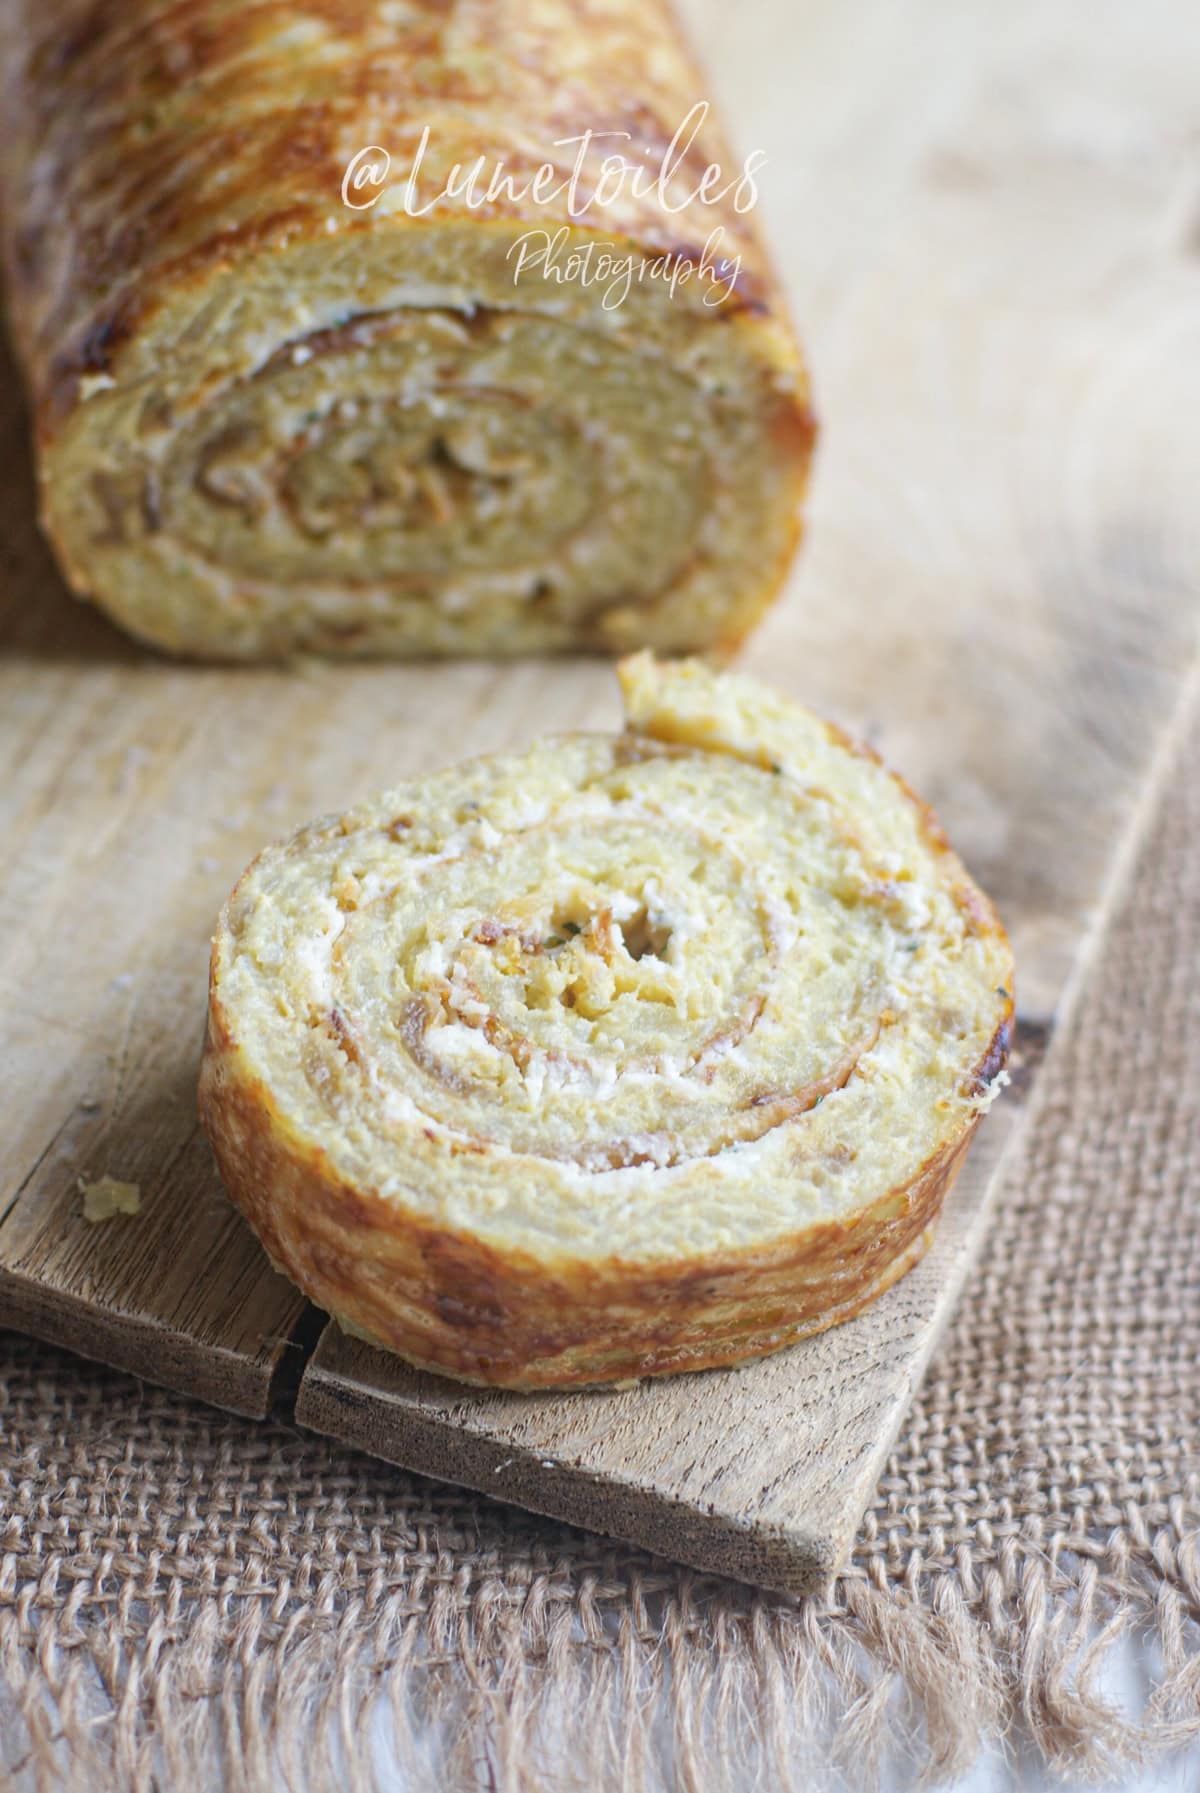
[(188, 1600)]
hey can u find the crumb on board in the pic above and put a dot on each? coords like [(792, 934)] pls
[(108, 1196)]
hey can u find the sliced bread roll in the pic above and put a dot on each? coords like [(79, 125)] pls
[(612, 1057), (340, 338)]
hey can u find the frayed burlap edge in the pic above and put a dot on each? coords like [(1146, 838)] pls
[(188, 1601), (628, 1684)]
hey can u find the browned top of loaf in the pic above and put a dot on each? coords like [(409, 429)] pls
[(147, 140)]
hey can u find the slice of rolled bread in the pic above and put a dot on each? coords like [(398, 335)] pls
[(618, 1056)]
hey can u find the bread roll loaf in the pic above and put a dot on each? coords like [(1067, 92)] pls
[(288, 398), (618, 1056)]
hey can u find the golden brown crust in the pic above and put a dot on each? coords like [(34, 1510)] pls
[(179, 140), (159, 153), (621, 1242), (450, 1303)]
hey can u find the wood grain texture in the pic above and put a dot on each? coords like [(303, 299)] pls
[(988, 222), (757, 1472), (105, 911), (982, 219)]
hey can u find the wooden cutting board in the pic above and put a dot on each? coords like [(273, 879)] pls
[(990, 228)]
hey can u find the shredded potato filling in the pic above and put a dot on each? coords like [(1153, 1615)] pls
[(688, 990)]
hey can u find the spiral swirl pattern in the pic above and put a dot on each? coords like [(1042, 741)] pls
[(652, 1050), (507, 471)]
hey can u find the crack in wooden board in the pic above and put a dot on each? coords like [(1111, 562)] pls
[(179, 1293), (755, 1473), (1000, 585), (999, 588)]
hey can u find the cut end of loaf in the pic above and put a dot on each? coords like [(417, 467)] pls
[(384, 446), (276, 415)]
